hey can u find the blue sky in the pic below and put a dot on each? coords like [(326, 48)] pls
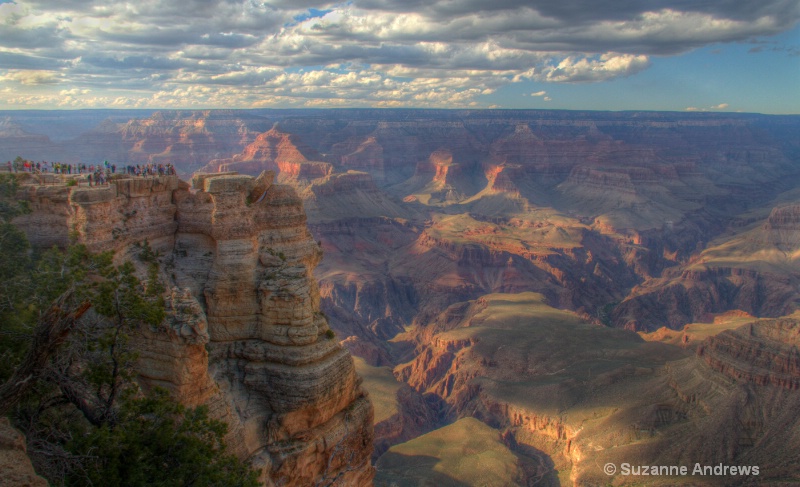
[(723, 55)]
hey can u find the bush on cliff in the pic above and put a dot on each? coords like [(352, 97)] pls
[(158, 442)]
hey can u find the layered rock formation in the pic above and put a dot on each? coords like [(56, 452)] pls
[(363, 155), (754, 270), (244, 332), (185, 139), (358, 293), (266, 153), (764, 353), (577, 396), (645, 188)]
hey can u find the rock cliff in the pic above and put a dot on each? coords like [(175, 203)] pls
[(763, 353), (244, 332)]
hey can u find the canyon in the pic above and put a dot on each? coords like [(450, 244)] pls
[(590, 286)]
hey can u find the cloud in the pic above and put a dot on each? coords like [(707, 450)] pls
[(21, 29), (594, 27), (373, 52), (134, 62), (73, 92), (539, 93), (721, 106), (588, 69), (27, 77), (13, 60)]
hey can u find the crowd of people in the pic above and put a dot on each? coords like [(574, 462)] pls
[(96, 174)]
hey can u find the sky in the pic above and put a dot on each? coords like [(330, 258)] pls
[(682, 55)]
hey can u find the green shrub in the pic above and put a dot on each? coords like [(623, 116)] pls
[(158, 441)]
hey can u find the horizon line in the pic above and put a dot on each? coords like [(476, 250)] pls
[(398, 109)]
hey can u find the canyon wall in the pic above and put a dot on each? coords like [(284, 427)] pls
[(577, 396), (244, 332)]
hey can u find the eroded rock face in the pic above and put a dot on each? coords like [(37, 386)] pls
[(754, 271), (244, 333), (763, 353), (267, 152), (582, 395)]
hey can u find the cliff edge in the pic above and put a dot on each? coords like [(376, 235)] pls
[(244, 332)]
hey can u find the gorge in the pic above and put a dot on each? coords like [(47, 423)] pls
[(552, 290)]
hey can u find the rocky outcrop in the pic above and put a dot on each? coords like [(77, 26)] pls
[(764, 353), (244, 332), (502, 177), (266, 153), (446, 176), (304, 170), (361, 154), (111, 217), (699, 293), (753, 270), (15, 466), (782, 228)]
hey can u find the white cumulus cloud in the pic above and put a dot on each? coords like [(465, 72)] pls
[(376, 52)]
